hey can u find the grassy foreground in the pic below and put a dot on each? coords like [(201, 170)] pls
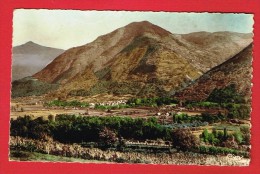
[(34, 156)]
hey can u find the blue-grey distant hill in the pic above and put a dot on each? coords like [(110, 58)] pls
[(30, 58)]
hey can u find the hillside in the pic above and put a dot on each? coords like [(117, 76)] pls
[(237, 70), (95, 54), (217, 47), (140, 59), (144, 68), (30, 58)]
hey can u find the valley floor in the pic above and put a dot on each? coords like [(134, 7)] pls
[(34, 106), (56, 151)]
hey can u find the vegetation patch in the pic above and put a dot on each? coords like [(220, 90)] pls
[(155, 101), (223, 151), (225, 138), (204, 117), (30, 86), (102, 73), (60, 103), (226, 95), (88, 129), (35, 156), (109, 87)]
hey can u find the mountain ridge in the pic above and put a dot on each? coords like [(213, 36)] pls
[(237, 70), (140, 59)]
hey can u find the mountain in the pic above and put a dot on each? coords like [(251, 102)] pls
[(97, 53), (218, 46), (30, 58), (237, 70), (140, 59)]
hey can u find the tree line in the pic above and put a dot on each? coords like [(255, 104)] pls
[(76, 129)]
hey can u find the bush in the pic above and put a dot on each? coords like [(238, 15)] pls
[(238, 137), (205, 135), (230, 142), (184, 140), (108, 137), (211, 138)]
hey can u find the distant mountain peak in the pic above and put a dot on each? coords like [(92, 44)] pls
[(30, 57), (142, 23), (30, 42)]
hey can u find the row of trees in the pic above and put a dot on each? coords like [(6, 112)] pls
[(156, 101), (226, 139), (113, 130), (109, 107), (204, 104), (61, 103), (105, 130), (232, 111), (88, 129), (204, 117)]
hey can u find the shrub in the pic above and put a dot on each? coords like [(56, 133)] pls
[(230, 142), (211, 138), (246, 139), (245, 130), (238, 137), (184, 140), (108, 137), (205, 135)]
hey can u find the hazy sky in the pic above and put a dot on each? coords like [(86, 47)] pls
[(69, 28)]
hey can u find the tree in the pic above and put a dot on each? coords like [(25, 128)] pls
[(220, 135), (184, 140), (108, 137), (212, 139), (51, 118), (214, 132), (225, 136), (205, 135), (238, 137), (230, 142), (246, 139)]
